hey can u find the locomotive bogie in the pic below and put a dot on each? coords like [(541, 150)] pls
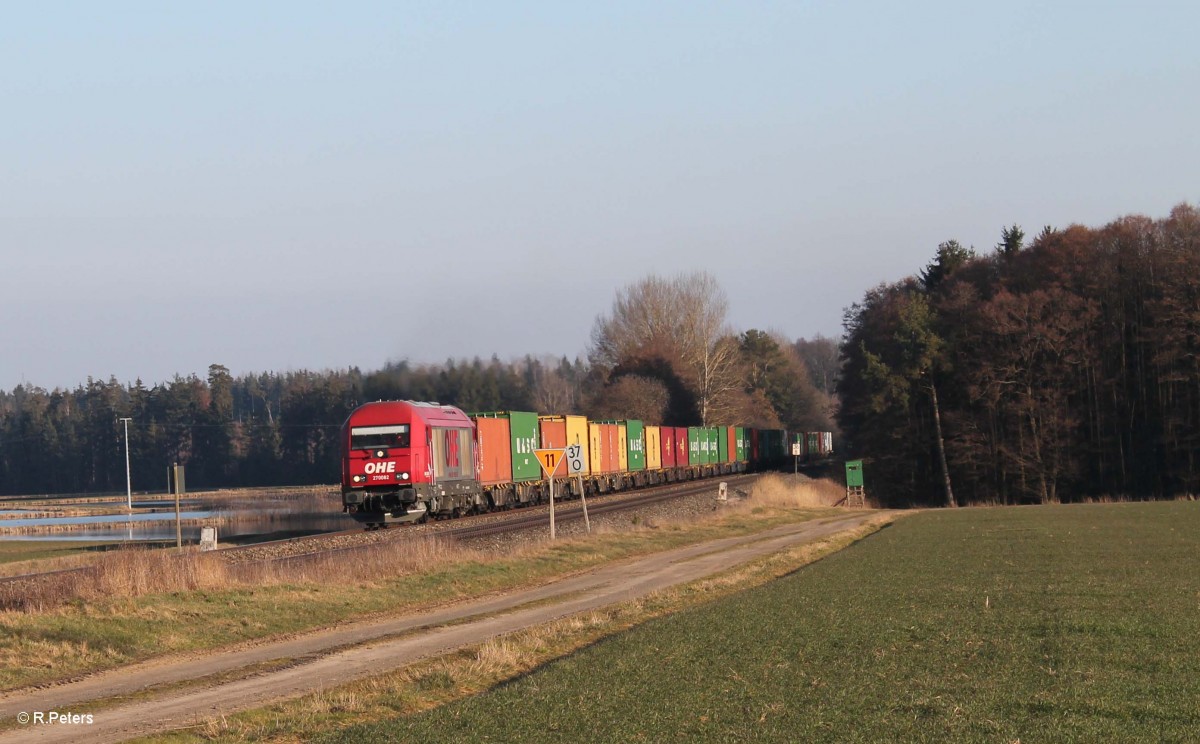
[(414, 503)]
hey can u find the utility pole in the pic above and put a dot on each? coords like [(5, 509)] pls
[(178, 522), (128, 479)]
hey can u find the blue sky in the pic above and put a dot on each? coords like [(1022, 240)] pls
[(278, 186)]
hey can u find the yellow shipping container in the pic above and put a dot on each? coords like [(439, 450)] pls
[(578, 441), (653, 448), (570, 434), (595, 449), (622, 450)]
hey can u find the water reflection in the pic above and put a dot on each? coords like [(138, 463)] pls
[(236, 530), (106, 518), (236, 520)]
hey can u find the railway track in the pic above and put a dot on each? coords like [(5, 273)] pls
[(573, 510), (299, 549), (486, 525)]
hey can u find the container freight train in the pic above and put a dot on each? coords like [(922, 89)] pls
[(404, 461), (812, 446)]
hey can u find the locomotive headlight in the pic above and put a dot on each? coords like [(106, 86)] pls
[(381, 453), (404, 476), (359, 478)]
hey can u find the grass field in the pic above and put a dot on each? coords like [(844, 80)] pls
[(145, 606), (1056, 623), (15, 551)]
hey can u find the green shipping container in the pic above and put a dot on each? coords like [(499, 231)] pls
[(635, 437), (523, 428), (772, 446), (710, 435), (742, 444), (695, 439), (722, 444)]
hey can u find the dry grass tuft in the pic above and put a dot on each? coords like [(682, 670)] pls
[(795, 491), (497, 656), (140, 571)]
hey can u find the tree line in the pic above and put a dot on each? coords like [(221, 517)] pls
[(282, 428), (1061, 370)]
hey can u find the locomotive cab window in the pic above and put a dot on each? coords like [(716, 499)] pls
[(370, 437)]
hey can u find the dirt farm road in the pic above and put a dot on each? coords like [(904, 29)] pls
[(328, 658)]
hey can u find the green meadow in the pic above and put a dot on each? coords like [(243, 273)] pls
[(1037, 624)]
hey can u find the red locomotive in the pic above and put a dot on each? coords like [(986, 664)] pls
[(402, 461)]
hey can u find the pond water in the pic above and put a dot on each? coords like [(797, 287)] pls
[(188, 503), (107, 518), (236, 521)]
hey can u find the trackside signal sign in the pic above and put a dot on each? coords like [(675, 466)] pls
[(550, 460)]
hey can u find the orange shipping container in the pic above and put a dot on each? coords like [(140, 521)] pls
[(553, 432), (493, 447), (604, 444), (612, 443)]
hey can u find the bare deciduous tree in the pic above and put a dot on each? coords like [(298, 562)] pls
[(631, 397), (550, 391), (681, 320), (821, 359)]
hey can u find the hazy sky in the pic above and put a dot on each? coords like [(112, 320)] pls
[(276, 186)]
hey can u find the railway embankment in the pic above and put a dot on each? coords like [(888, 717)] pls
[(113, 617)]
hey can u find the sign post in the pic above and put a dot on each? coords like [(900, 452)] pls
[(550, 460), (177, 471), (576, 466)]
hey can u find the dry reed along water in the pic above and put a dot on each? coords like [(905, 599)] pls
[(136, 572)]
